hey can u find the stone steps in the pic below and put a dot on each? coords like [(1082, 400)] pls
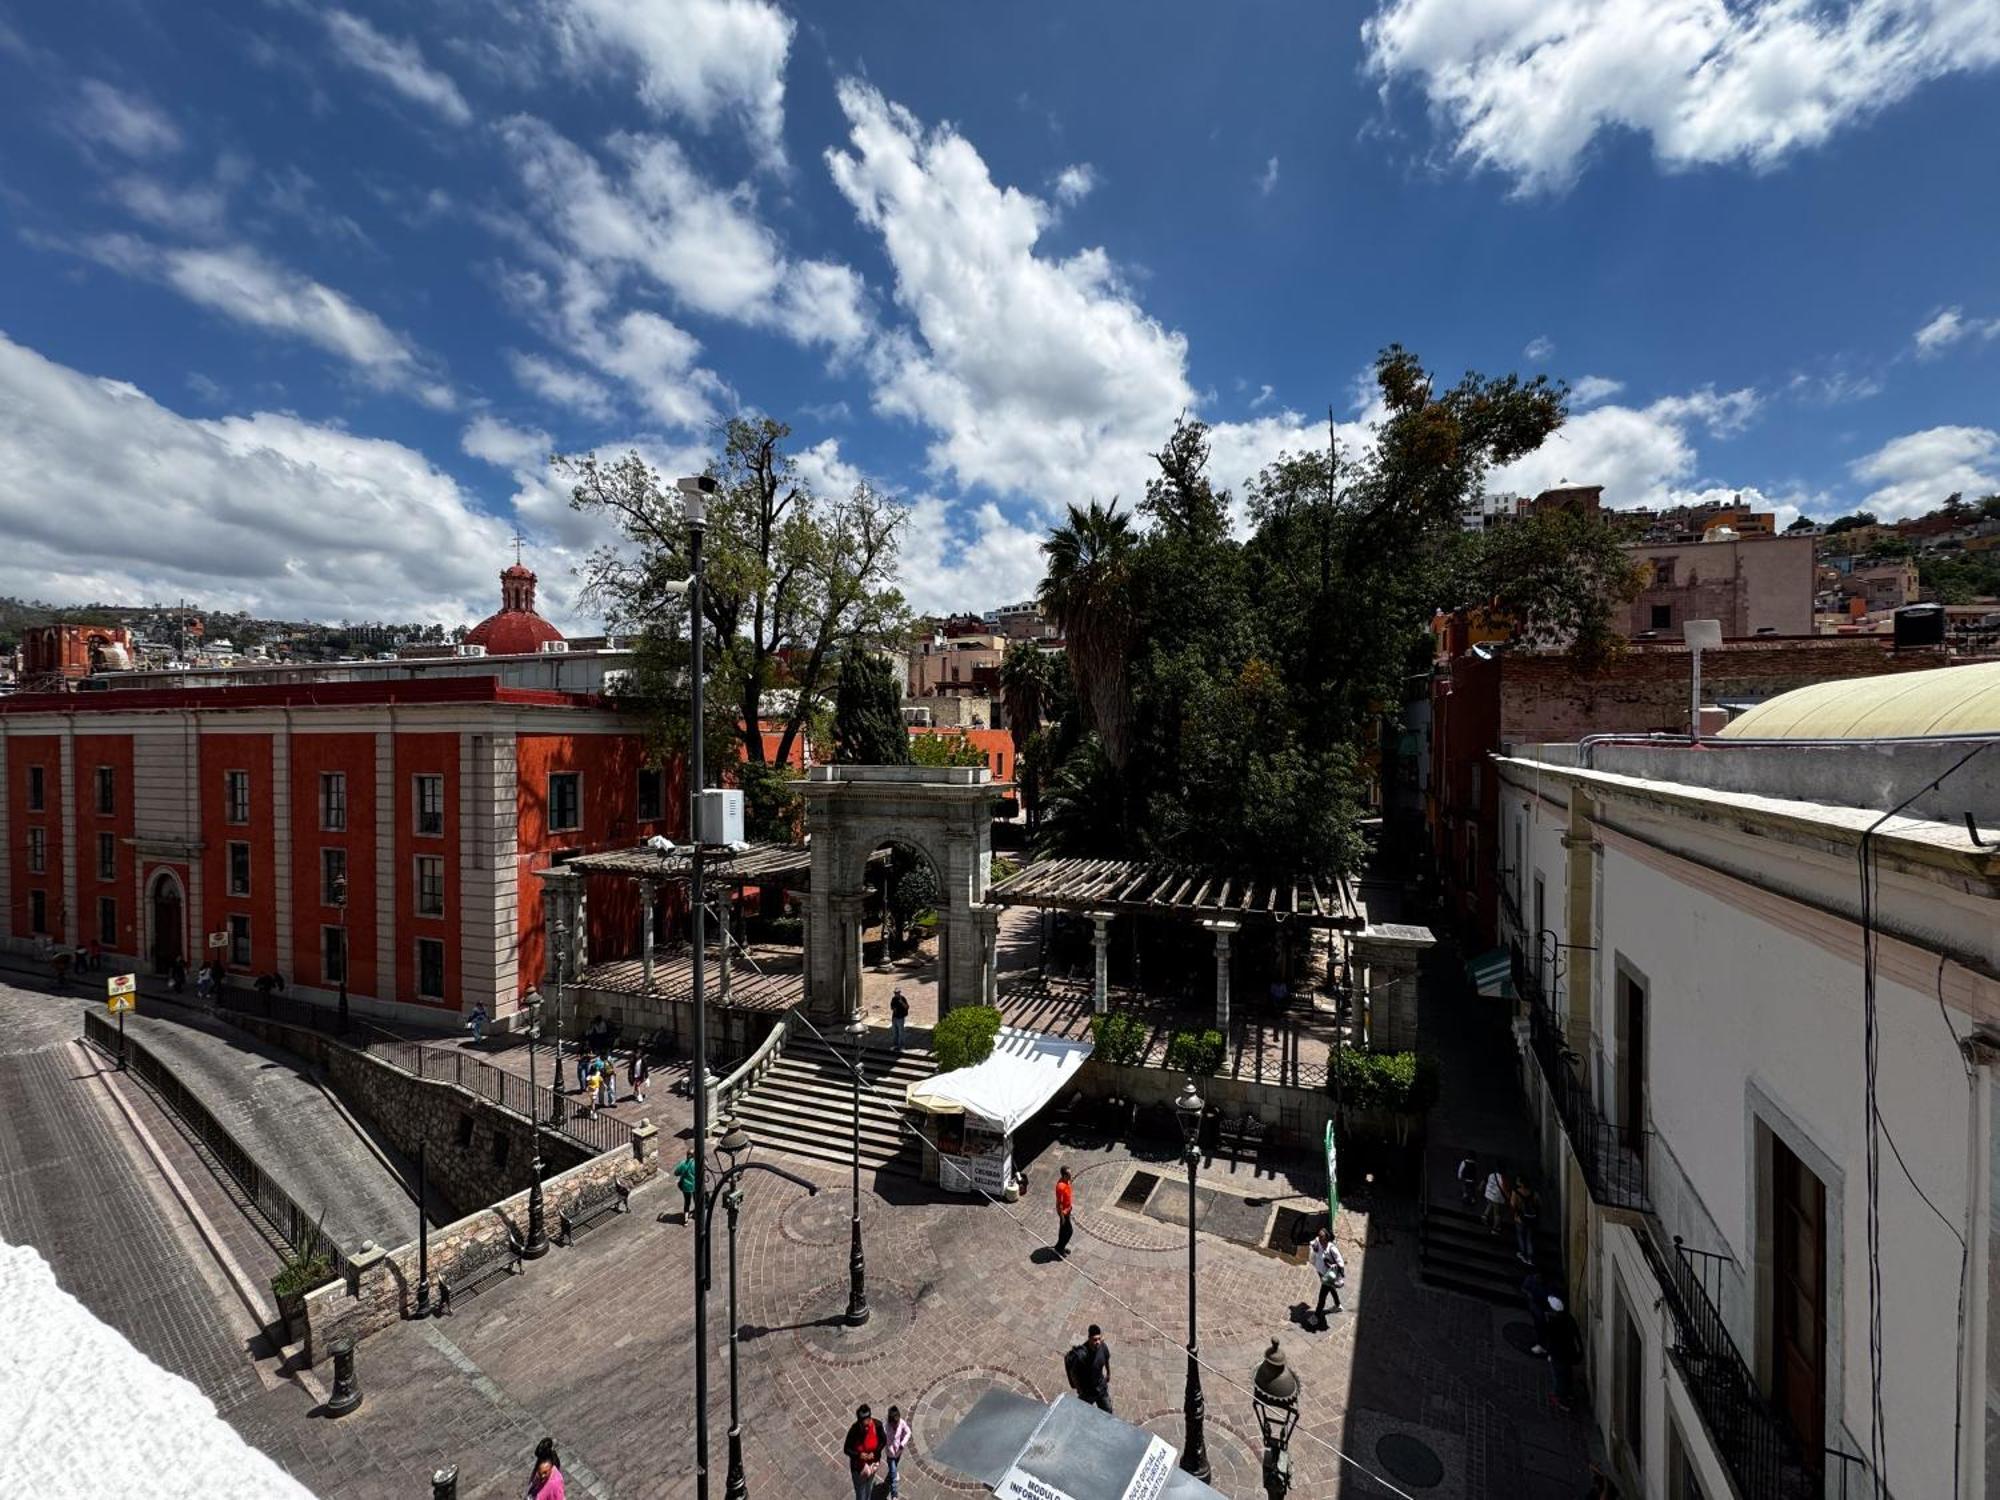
[(805, 1104), (1460, 1254)]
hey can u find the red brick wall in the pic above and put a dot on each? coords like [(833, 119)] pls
[(115, 751), (353, 754), (426, 755), (221, 754), (23, 751)]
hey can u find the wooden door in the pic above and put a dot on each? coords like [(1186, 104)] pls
[(166, 925), (1798, 1322)]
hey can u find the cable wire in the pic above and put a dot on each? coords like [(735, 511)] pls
[(1178, 1343)]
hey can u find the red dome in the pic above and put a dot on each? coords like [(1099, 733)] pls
[(516, 630)]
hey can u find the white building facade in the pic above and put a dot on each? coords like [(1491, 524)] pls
[(1776, 1300)]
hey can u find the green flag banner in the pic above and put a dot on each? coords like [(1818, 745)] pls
[(1332, 1179)]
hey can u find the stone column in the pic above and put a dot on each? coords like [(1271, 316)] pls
[(986, 925), (1223, 929), (648, 891), (1100, 975), (1388, 954), (844, 940)]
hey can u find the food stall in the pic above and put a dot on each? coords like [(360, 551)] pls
[(967, 1117)]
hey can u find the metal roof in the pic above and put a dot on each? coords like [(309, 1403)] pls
[(1942, 701), (758, 864), (1128, 886)]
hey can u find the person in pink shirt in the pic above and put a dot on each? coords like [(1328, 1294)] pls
[(898, 1432), (546, 1482)]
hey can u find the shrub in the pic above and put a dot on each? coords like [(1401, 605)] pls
[(1119, 1039), (1196, 1053), (1400, 1081), (1003, 868), (964, 1037)]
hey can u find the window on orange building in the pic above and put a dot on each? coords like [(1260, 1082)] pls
[(332, 876), (239, 869), (430, 886), (332, 954), (107, 856), (38, 790), (38, 911), (239, 941), (333, 801), (430, 805), (107, 921), (38, 850), (652, 794), (107, 790), (430, 969), (236, 796), (565, 801)]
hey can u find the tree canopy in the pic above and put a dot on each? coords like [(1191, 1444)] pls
[(868, 714)]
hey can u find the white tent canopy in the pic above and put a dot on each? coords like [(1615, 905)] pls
[(1024, 1072)]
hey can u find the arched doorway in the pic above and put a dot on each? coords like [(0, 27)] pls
[(167, 928)]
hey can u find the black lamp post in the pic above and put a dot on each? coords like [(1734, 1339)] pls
[(537, 1243), (423, 1309), (1194, 1453), (857, 1268), (559, 935), (1274, 1390)]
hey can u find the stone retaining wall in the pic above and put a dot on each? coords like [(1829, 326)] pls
[(381, 1286), (476, 1152), (1298, 1115), (732, 1033)]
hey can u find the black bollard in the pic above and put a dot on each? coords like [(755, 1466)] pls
[(346, 1389), (444, 1483)]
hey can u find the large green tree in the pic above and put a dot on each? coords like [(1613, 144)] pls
[(1027, 687), (1086, 592), (868, 725)]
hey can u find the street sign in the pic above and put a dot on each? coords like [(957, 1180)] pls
[(121, 984), (120, 1001), (218, 940)]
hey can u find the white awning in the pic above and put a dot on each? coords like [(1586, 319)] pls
[(1025, 1071)]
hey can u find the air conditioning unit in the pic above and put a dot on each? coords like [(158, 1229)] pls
[(471, 651), (719, 816), (555, 645)]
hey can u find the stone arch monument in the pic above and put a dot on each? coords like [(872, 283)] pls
[(943, 812)]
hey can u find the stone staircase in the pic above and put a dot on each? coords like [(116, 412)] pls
[(805, 1104), (1460, 1254)]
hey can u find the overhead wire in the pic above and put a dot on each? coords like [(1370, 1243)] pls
[(1078, 1271)]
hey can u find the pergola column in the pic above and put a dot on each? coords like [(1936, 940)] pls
[(1224, 929), (1100, 973), (648, 891)]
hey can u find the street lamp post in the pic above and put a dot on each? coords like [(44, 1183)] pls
[(1194, 1453), (1274, 1390), (559, 935), (537, 1243), (423, 1309), (857, 1267), (694, 499)]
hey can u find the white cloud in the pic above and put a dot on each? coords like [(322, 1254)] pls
[(1592, 389), (827, 411), (1075, 183), (263, 512), (239, 283), (1643, 456), (1834, 388), (504, 445), (399, 64), (1039, 377), (1538, 349), (1525, 88), (1915, 473), (1267, 180), (1950, 327), (1723, 413), (700, 60), (197, 209), (957, 557), (1263, 395), (562, 385), (125, 122)]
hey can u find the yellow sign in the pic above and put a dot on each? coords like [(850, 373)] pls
[(116, 1003)]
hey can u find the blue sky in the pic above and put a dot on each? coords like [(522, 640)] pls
[(295, 299)]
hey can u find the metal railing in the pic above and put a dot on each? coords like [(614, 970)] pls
[(724, 1094), (1612, 1158), (1755, 1441), (279, 1208), (596, 1133)]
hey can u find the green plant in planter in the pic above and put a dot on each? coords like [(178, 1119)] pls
[(964, 1037), (305, 1269), (1119, 1039), (1196, 1053)]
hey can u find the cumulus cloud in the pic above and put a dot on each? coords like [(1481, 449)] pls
[(1914, 473), (1525, 89), (1538, 349), (957, 557), (1075, 183), (698, 60), (1950, 327), (1263, 394), (239, 283), (265, 512), (398, 64), (109, 116), (561, 384), (1643, 456), (1592, 389)]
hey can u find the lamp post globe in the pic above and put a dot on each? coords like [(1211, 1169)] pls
[(1274, 1390), (1188, 1110), (536, 1245)]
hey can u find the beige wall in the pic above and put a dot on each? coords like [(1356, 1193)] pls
[(1760, 584)]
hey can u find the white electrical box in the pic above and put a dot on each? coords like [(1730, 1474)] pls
[(719, 819)]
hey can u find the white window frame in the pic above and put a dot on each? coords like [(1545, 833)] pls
[(417, 879), (235, 807), (104, 784), (329, 783), (332, 935), (417, 784), (38, 851), (326, 893), (554, 826), (107, 869), (443, 957), (38, 788), (229, 885), (240, 924)]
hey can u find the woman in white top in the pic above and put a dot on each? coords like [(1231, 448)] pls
[(1330, 1267), (1496, 1200)]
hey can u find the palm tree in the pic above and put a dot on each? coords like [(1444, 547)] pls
[(1083, 817), (1087, 594)]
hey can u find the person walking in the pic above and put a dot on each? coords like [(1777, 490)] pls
[(1088, 1369), (1565, 1347), (1065, 1205), (1468, 1179), (684, 1175), (1496, 1200), (899, 1013), (642, 1069), (1527, 1212), (607, 1082), (864, 1447), (477, 1024), (1537, 1291), (1329, 1266), (177, 976), (898, 1432), (546, 1480)]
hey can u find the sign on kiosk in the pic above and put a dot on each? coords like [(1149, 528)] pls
[(120, 992)]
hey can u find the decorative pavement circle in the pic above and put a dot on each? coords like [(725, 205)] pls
[(820, 1322), (1409, 1460), (1235, 1464), (944, 1405), (822, 1219), (1098, 1189)]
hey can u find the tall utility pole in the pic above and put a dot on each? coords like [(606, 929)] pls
[(694, 494)]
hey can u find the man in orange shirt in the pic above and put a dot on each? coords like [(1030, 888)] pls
[(1065, 1201)]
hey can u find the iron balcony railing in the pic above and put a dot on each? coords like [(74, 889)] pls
[(1763, 1454), (1612, 1158), (298, 1228)]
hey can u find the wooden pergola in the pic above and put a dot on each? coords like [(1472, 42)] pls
[(787, 865), (1142, 888)]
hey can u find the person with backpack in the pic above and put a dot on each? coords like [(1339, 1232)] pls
[(864, 1448), (1088, 1369), (899, 1012), (1468, 1179), (1496, 1200), (1329, 1269)]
